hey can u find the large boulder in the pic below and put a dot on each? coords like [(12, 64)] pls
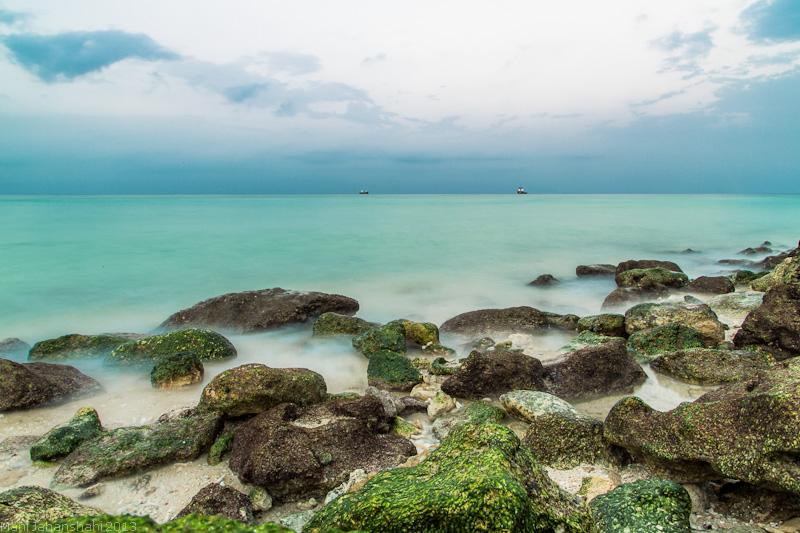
[(774, 326), (493, 373), (218, 500), (610, 324), (207, 345), (595, 371), (527, 405), (75, 346), (479, 412), (645, 263), (62, 440), (480, 479), (745, 430), (662, 339), (253, 311), (337, 324), (29, 385), (710, 367), (698, 317), (392, 371), (735, 302), (646, 277), (390, 337), (786, 273), (710, 285), (254, 388), (26, 505), (177, 371), (491, 321), (296, 453), (657, 505), (127, 450)]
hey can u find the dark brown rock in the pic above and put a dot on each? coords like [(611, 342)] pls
[(494, 373), (601, 270), (646, 263), (217, 500), (774, 326), (28, 385), (298, 453), (487, 321), (593, 371), (545, 280), (624, 297), (710, 285), (253, 311)]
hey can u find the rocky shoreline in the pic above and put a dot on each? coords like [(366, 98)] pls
[(477, 434)]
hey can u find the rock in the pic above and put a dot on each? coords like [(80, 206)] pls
[(127, 450), (144, 524), (736, 302), (494, 373), (480, 479), (662, 339), (29, 385), (595, 371), (26, 504), (602, 270), (648, 277), (71, 347), (399, 426), (569, 322), (12, 346), (774, 326), (656, 505), (218, 500), (545, 280), (698, 317), (526, 405), (254, 311), (389, 337), (207, 345), (479, 412), (646, 263), (392, 371), (420, 333), (392, 405), (624, 297), (745, 430), (337, 324), (489, 321), (254, 388), (296, 453), (710, 285), (221, 446), (612, 325), (746, 277), (707, 366), (441, 403), (769, 263), (435, 348), (62, 440), (586, 338), (441, 367), (746, 502), (786, 273), (261, 499), (177, 371)]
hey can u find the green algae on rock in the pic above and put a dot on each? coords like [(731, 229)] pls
[(221, 446), (75, 346), (706, 366), (144, 524), (420, 333), (254, 388), (698, 317), (479, 479), (206, 344), (62, 440), (610, 324), (662, 339), (29, 504), (658, 275), (337, 324), (392, 371), (479, 412), (787, 272), (587, 338), (177, 371), (526, 405), (649, 505), (387, 337)]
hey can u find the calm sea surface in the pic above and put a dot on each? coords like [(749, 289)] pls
[(102, 264)]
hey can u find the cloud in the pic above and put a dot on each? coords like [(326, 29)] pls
[(11, 17), (66, 56), (773, 20), (292, 63), (379, 58), (687, 44)]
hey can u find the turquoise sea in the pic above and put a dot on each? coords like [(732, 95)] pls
[(124, 264)]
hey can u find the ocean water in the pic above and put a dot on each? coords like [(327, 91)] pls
[(124, 264)]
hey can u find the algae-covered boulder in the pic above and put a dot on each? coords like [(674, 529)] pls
[(610, 324), (479, 479), (75, 346), (746, 277), (29, 385), (710, 285), (479, 412), (657, 505), (387, 337), (526, 405), (587, 338), (698, 317), (662, 339), (494, 373), (218, 500), (787, 272), (774, 326), (206, 344), (296, 453), (420, 333), (595, 371), (707, 366), (644, 277), (254, 311), (745, 430), (488, 321), (642, 264), (61, 440), (392, 371), (177, 371), (130, 449), (254, 388), (338, 324), (26, 504)]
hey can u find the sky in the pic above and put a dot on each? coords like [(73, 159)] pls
[(443, 96)]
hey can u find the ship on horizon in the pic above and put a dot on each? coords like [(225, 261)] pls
[(521, 190)]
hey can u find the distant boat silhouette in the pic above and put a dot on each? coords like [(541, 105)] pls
[(363, 191), (520, 190)]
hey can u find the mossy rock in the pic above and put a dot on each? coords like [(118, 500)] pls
[(387, 337), (420, 333), (399, 426), (479, 479), (786, 273), (706, 366), (392, 371), (479, 412), (610, 324), (698, 317), (527, 405), (638, 276), (143, 524), (663, 339), (29, 504), (587, 338), (437, 349), (177, 371), (221, 446), (337, 324), (75, 346), (656, 505), (206, 344), (441, 367), (746, 277), (62, 440)]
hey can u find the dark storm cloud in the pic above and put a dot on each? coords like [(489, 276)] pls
[(65, 56)]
